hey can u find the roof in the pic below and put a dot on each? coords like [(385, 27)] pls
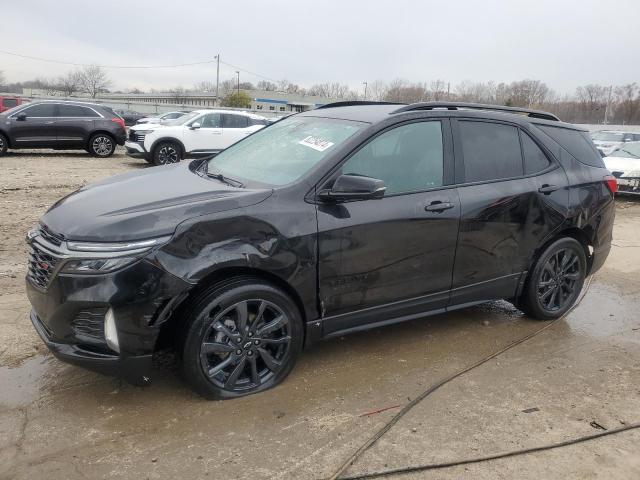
[(372, 112)]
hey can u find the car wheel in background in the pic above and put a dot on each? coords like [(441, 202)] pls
[(101, 145), (556, 280), (167, 152), (242, 336), (4, 144)]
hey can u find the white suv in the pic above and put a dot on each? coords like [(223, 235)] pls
[(199, 133)]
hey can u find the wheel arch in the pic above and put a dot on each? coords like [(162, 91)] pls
[(177, 141), (173, 323), (96, 132)]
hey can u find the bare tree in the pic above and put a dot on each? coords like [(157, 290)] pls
[(628, 101), (94, 80), (69, 83), (205, 86), (437, 90), (178, 95), (377, 90), (527, 93), (330, 90), (268, 86)]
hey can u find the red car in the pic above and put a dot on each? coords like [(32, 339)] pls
[(9, 102)]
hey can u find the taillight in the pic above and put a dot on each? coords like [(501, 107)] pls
[(119, 121), (612, 183)]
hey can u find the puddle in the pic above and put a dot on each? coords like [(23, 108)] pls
[(21, 385)]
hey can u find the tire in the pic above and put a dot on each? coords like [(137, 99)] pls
[(167, 152), (101, 145), (218, 360), (555, 282), (4, 144)]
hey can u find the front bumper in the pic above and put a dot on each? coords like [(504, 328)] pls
[(67, 316), (135, 150)]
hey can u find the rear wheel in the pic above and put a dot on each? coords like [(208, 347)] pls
[(167, 152), (4, 144), (101, 145), (556, 280), (242, 337)]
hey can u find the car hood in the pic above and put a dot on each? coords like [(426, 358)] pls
[(628, 167), (146, 126), (144, 204)]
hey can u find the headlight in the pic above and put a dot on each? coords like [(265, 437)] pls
[(143, 132), (102, 265), (106, 257)]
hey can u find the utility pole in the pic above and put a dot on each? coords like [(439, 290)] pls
[(365, 89), (606, 108), (238, 82), (217, 80)]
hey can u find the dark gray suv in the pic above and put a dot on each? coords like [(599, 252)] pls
[(62, 125)]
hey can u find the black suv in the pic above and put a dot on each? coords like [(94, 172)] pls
[(63, 126), (347, 217)]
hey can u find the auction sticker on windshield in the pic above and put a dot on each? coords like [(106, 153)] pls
[(316, 143)]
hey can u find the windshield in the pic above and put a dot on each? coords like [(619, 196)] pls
[(181, 120), (629, 150), (283, 152), (607, 136)]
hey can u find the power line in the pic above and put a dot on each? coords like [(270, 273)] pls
[(250, 72), (62, 62)]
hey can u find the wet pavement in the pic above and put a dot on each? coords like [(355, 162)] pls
[(59, 421)]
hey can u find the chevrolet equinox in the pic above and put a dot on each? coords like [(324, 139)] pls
[(351, 216)]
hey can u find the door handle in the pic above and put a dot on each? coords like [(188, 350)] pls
[(438, 206), (547, 189)]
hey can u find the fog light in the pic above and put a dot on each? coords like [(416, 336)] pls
[(110, 332)]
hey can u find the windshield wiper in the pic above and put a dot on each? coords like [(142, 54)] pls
[(224, 179)]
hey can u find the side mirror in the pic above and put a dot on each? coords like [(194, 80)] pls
[(21, 117), (354, 187), (195, 125)]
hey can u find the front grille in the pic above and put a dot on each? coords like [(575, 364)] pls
[(41, 266), (136, 137), (88, 325)]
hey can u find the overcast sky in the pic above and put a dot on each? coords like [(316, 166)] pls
[(564, 43)]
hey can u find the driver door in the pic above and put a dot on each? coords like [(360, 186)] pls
[(392, 258), (207, 138)]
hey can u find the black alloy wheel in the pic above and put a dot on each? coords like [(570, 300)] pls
[(555, 281), (243, 337), (166, 153), (4, 144)]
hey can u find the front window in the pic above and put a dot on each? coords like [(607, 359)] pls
[(607, 136), (284, 151)]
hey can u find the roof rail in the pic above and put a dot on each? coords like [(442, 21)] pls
[(352, 103), (477, 106)]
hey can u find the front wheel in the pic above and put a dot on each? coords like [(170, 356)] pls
[(101, 145), (167, 152), (4, 144), (556, 280), (242, 337)]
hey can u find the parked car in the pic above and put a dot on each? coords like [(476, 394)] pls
[(62, 126), (624, 164), (129, 116), (606, 141), (198, 133), (328, 222), (9, 102), (161, 118)]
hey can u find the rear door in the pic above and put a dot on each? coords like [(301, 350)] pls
[(512, 195), (38, 129), (391, 258), (74, 122), (234, 127)]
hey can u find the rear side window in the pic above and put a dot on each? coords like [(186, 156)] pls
[(491, 151), (534, 158), (42, 110), (577, 143), (230, 120), (10, 102), (75, 111)]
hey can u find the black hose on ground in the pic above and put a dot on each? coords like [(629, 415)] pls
[(396, 418)]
